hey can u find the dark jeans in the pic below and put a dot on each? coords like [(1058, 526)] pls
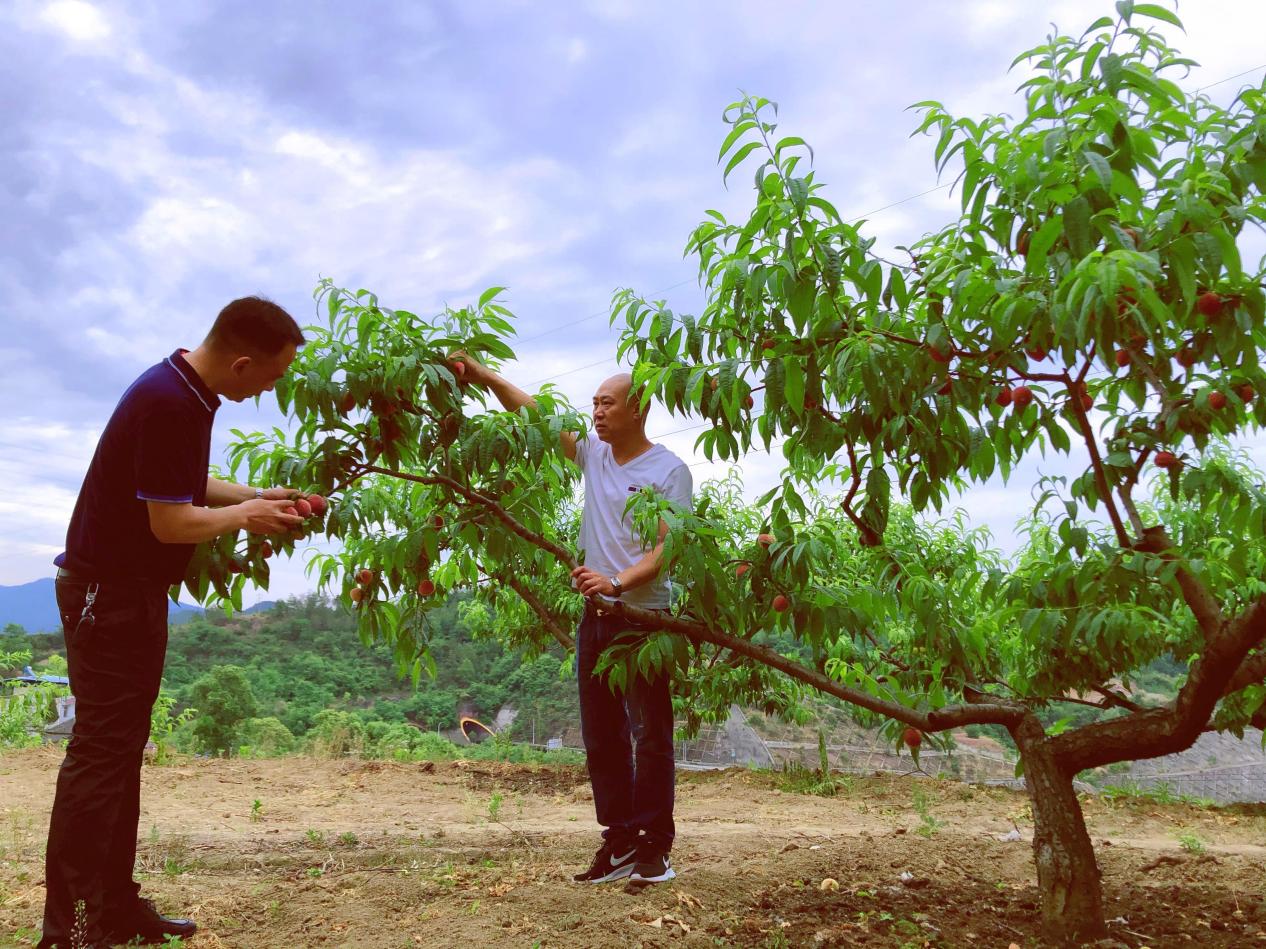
[(115, 650), (628, 737)]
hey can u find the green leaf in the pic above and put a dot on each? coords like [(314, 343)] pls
[(793, 383), (730, 139), (1156, 13), (788, 142), (1042, 242), (737, 160), (488, 296), (1100, 168), (1077, 225)]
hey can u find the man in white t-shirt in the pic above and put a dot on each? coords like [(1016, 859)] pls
[(628, 734)]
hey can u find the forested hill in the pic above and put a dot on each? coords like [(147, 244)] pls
[(304, 656)]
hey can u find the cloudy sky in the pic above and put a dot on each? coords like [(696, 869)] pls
[(159, 159)]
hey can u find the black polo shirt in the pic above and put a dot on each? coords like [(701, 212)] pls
[(156, 447)]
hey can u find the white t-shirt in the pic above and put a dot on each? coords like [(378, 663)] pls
[(606, 535)]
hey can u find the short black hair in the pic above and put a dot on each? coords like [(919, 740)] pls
[(255, 325)]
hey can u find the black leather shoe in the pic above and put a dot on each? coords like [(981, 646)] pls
[(146, 925)]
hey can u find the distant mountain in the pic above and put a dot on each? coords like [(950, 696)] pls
[(33, 606)]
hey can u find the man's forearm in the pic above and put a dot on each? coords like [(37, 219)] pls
[(511, 397), (644, 571), (186, 524), (223, 493)]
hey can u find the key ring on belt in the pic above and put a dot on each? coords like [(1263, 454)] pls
[(90, 597)]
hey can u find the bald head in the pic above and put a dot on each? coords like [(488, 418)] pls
[(617, 415)]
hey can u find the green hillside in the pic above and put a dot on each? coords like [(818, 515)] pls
[(303, 657)]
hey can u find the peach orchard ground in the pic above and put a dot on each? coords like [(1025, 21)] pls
[(473, 854)]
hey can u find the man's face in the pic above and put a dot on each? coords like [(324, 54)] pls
[(613, 415), (253, 375)]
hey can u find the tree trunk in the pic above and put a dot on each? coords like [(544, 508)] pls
[(1067, 875)]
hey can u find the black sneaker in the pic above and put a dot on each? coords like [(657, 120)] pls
[(653, 868), (609, 863)]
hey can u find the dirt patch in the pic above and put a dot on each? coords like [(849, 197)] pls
[(474, 854), (538, 779)]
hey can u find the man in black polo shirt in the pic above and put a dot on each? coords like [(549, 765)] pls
[(146, 501)]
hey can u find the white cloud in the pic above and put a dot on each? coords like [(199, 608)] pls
[(80, 21), (561, 189)]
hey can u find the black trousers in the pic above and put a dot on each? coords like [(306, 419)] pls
[(116, 641), (628, 736)]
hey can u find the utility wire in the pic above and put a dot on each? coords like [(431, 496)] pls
[(592, 316), (860, 217)]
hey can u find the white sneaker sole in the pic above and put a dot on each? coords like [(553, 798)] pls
[(664, 877), (619, 873)]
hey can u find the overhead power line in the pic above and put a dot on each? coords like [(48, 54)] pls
[(855, 218)]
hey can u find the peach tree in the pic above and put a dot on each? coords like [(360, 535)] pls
[(1091, 301)]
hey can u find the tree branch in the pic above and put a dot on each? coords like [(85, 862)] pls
[(493, 507), (1117, 700), (1162, 731), (1197, 596), (1101, 479), (999, 712), (532, 600)]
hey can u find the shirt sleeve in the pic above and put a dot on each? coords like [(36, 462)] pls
[(679, 486), (168, 460), (584, 446)]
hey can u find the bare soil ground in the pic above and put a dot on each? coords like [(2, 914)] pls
[(476, 854)]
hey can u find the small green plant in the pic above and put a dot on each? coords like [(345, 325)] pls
[(348, 839), (1157, 794), (164, 722), (315, 872), (929, 824), (1191, 843), (316, 838), (797, 779), (257, 810), (494, 806)]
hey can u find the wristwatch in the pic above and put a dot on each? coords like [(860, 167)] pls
[(617, 587)]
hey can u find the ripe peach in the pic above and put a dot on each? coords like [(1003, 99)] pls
[(1209, 303)]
